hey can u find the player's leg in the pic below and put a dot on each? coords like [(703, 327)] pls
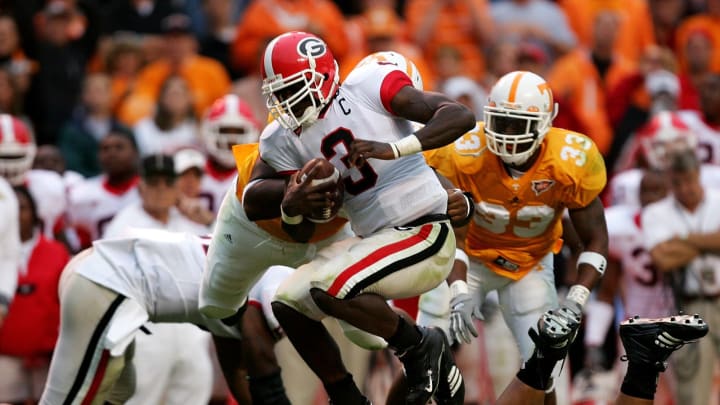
[(353, 284), (82, 368)]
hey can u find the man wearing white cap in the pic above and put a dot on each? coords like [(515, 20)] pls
[(192, 202)]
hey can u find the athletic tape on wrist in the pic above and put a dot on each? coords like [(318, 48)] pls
[(458, 287), (294, 220), (595, 260), (406, 146), (578, 293)]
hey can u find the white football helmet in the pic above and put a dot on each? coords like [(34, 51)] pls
[(298, 71), (402, 62), (663, 135), (227, 122), (17, 149), (519, 113)]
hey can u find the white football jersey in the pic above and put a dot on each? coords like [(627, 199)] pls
[(48, 190), (9, 240), (641, 284), (213, 187), (382, 193), (625, 186), (93, 204), (708, 147)]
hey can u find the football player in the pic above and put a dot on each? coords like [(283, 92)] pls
[(523, 174), (396, 206), (108, 292), (17, 153), (228, 121)]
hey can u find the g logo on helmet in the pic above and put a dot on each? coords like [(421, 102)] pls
[(311, 48)]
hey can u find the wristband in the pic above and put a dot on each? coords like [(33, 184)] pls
[(406, 146), (595, 260), (578, 294), (294, 220), (458, 287), (463, 257)]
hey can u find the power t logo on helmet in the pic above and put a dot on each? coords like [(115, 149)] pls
[(300, 76)]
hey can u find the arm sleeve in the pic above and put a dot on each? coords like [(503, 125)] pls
[(9, 242), (591, 179)]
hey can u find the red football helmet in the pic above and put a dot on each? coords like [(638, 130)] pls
[(17, 149), (227, 122), (664, 134), (300, 77)]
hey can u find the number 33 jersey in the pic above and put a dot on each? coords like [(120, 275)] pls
[(518, 219)]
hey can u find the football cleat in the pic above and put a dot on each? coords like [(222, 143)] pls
[(556, 330), (422, 365), (451, 386), (652, 341)]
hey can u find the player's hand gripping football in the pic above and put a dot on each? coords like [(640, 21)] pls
[(361, 150), (301, 197)]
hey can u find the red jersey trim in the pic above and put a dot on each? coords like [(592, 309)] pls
[(218, 174), (122, 188), (391, 85)]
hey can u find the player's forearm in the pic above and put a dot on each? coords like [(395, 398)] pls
[(261, 199), (669, 255), (705, 242), (448, 123)]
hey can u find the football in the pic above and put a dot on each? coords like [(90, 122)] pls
[(325, 173)]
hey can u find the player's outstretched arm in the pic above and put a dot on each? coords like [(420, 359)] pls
[(589, 223)]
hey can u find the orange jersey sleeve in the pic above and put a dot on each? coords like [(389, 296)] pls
[(245, 157), (518, 220)]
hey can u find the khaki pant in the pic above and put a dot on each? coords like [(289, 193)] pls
[(695, 363)]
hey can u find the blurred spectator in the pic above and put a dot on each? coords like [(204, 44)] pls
[(190, 169), (502, 59), (62, 56), (706, 122), (9, 246), (707, 23), (49, 158), (666, 17), (94, 203), (12, 56), (163, 369), (634, 28), (466, 91), (229, 121), (696, 57), (265, 19), (581, 78), (381, 29), (173, 125), (123, 61), (92, 120), (685, 243), (221, 27), (11, 98), (539, 20), (30, 329), (463, 26), (137, 16), (205, 77), (533, 57)]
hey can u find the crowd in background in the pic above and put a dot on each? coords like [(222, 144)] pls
[(98, 85)]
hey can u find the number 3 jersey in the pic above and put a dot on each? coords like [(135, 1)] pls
[(518, 219), (381, 193)]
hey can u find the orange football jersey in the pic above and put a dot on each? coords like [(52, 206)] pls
[(245, 157), (518, 220)]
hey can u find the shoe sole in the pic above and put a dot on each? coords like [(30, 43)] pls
[(683, 327)]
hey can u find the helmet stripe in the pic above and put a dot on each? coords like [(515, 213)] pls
[(6, 128), (514, 86), (267, 59)]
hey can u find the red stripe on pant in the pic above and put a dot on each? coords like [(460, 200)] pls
[(376, 256), (99, 374)]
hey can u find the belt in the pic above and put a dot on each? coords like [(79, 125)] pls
[(427, 219)]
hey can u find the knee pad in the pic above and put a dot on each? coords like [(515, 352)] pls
[(268, 390)]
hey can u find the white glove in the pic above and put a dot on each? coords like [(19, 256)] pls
[(461, 313)]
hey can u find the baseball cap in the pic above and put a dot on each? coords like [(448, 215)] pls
[(381, 21), (177, 23), (158, 165), (186, 159), (659, 81)]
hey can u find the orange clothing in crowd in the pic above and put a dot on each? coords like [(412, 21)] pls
[(577, 84), (206, 78), (706, 24), (635, 32), (265, 19), (453, 27)]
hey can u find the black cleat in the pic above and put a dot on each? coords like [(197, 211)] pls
[(451, 388), (652, 341), (422, 366), (556, 330)]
